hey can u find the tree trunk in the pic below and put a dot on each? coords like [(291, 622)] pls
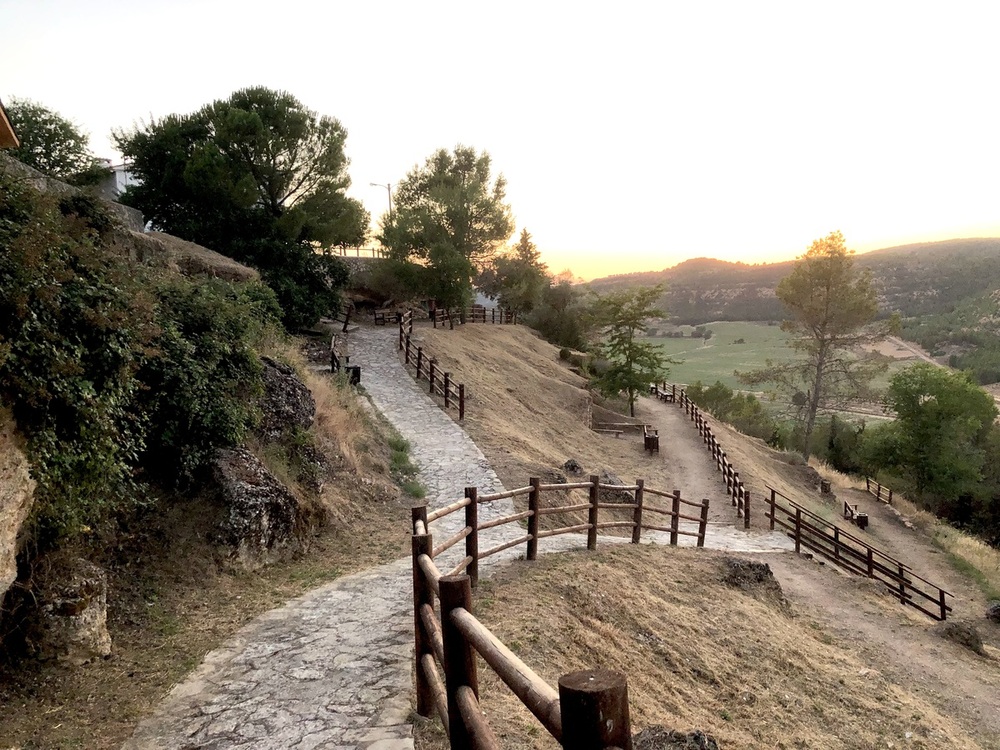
[(814, 400)]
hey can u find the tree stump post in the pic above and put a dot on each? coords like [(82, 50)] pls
[(459, 657), (595, 493), (472, 540), (533, 503), (593, 704), (637, 513)]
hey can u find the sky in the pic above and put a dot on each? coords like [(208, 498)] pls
[(632, 135)]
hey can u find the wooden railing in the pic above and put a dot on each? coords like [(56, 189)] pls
[(475, 314), (439, 383), (591, 708), (827, 539), (361, 252), (880, 492), (738, 493)]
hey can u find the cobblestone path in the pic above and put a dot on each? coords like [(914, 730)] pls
[(332, 669)]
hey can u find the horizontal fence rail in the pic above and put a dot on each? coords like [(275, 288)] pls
[(426, 368), (849, 552), (474, 314), (740, 495), (589, 706)]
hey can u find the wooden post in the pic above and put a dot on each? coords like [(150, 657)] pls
[(746, 509), (459, 657), (774, 501), (871, 564), (461, 401), (533, 504), (902, 584), (637, 513), (447, 390), (675, 509), (420, 360), (889, 499), (434, 317), (798, 529), (943, 604), (736, 486), (703, 524), (472, 540), (422, 544), (409, 325), (595, 493), (836, 541), (593, 704), (431, 375)]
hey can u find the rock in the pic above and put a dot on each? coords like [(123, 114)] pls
[(572, 466), (72, 615), (16, 498), (287, 402), (754, 578), (261, 522), (993, 612), (963, 634), (661, 738), (614, 496)]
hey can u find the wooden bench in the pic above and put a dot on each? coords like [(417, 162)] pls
[(616, 433), (852, 513)]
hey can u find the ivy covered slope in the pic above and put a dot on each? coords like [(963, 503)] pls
[(118, 373)]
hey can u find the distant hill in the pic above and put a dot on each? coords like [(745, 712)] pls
[(921, 279)]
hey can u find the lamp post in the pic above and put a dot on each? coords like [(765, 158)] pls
[(388, 189)]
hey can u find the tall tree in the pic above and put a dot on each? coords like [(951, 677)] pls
[(833, 309), (257, 176), (52, 144), (634, 364), (451, 215), (516, 279)]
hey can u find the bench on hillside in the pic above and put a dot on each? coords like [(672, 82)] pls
[(616, 433), (650, 438), (852, 513)]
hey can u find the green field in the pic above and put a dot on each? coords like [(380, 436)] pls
[(719, 357)]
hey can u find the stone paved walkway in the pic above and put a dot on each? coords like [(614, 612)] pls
[(332, 669)]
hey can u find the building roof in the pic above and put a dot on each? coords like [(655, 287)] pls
[(8, 138)]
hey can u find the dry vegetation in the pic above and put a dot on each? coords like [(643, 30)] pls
[(169, 605)]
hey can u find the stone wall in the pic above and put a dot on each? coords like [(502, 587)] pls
[(16, 497)]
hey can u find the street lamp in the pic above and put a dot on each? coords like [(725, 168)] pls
[(388, 188)]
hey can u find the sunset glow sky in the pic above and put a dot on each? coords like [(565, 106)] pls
[(632, 135)]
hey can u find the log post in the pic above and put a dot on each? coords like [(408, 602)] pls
[(703, 523), (836, 540), (409, 326), (774, 501), (422, 544), (595, 493), (675, 510), (447, 390), (889, 499), (637, 514), (798, 529), (420, 360), (430, 377), (944, 606), (461, 401), (902, 584), (593, 704), (434, 317), (459, 656), (472, 540), (533, 504), (871, 563), (746, 509)]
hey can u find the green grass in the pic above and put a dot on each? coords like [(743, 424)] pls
[(719, 357)]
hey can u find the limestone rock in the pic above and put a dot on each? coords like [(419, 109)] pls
[(572, 466), (661, 738), (993, 612), (614, 496), (72, 615), (287, 401), (16, 497), (963, 634), (261, 521)]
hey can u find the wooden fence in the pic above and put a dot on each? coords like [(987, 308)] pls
[(827, 539), (590, 710), (880, 492), (475, 314), (739, 494)]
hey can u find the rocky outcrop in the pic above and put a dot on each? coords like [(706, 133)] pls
[(261, 524), (287, 403), (614, 496), (993, 612), (963, 634), (72, 614), (16, 496)]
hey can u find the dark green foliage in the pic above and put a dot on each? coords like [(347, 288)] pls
[(563, 316), (258, 177), (52, 144), (107, 368), (742, 410), (516, 279)]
